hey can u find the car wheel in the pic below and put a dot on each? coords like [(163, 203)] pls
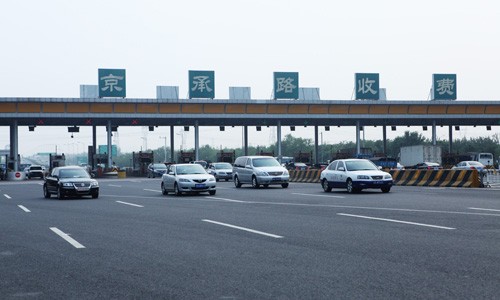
[(227, 180), (284, 185), (386, 189), (325, 186), (237, 182), (95, 195), (154, 175), (350, 188), (211, 193), (163, 190), (217, 179), (59, 194), (176, 190), (266, 185), (255, 184), (46, 193)]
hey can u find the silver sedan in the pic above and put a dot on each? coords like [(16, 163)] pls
[(187, 178)]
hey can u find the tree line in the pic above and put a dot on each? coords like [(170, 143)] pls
[(291, 145)]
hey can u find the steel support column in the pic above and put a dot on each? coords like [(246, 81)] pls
[(316, 147), (94, 146), (384, 138), (14, 146), (278, 133), (196, 140), (450, 145), (358, 143), (109, 133), (245, 139), (434, 139), (172, 144)]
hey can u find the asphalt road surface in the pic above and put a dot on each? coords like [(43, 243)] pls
[(274, 243)]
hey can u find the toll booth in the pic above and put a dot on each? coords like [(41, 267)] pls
[(226, 156), (140, 162), (265, 153), (185, 157), (56, 160), (304, 157), (100, 163)]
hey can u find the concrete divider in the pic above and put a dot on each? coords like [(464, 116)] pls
[(436, 178)]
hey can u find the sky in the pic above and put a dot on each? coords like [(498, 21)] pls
[(49, 48)]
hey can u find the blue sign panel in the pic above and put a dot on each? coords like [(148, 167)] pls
[(444, 86), (112, 83), (367, 86), (201, 84), (286, 85)]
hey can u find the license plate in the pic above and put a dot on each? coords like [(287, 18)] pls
[(378, 182), (199, 186), (82, 189), (276, 179)]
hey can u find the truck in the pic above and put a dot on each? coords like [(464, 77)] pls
[(412, 155)]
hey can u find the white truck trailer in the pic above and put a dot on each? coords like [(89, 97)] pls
[(412, 155)]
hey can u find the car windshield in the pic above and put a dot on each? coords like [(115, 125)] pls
[(36, 168), (222, 166), (159, 166), (475, 163), (265, 162), (73, 173), (190, 169), (358, 165)]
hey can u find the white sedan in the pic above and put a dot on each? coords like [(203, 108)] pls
[(187, 178), (355, 175)]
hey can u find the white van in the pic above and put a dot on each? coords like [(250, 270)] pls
[(259, 170), (484, 158)]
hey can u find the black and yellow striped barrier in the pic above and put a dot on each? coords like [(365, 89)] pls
[(435, 178)]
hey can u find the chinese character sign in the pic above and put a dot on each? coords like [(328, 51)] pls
[(444, 86), (112, 83), (286, 85), (367, 86), (201, 84)]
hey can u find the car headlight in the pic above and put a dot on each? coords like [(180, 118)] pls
[(94, 183), (211, 179), (261, 173), (285, 172), (388, 176), (183, 180), (67, 184), (363, 177)]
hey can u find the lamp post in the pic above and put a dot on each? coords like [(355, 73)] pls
[(165, 147)]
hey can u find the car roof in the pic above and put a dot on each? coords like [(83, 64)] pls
[(257, 156), (68, 167), (352, 159)]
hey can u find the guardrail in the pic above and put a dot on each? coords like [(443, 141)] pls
[(435, 178)]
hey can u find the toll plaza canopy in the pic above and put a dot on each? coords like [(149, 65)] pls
[(161, 112)]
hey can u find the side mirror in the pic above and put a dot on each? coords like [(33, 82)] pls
[(379, 167), (248, 166), (171, 173), (341, 169)]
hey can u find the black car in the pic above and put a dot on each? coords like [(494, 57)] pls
[(156, 170), (70, 181)]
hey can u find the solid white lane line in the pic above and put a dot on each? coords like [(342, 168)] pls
[(24, 208), (224, 199), (67, 238), (7, 196), (488, 209), (131, 204), (115, 185), (245, 229), (315, 195), (156, 191), (396, 221)]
